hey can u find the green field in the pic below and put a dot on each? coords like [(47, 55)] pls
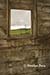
[(20, 31)]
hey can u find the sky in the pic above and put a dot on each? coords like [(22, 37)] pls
[(20, 19)]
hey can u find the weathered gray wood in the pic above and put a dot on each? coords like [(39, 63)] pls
[(16, 52)]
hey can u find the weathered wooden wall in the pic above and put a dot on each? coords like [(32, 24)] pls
[(43, 11), (15, 53)]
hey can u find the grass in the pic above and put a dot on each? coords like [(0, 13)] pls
[(20, 31)]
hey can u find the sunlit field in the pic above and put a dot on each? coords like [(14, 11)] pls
[(20, 31)]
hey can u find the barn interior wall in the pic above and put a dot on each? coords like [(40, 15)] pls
[(16, 53)]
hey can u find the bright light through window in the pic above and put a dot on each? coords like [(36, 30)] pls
[(20, 22)]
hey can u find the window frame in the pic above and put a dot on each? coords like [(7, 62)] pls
[(33, 17), (22, 34)]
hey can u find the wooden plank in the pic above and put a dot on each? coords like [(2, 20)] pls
[(21, 6), (43, 9), (21, 1), (44, 1)]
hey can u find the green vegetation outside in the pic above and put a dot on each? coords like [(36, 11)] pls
[(20, 31)]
